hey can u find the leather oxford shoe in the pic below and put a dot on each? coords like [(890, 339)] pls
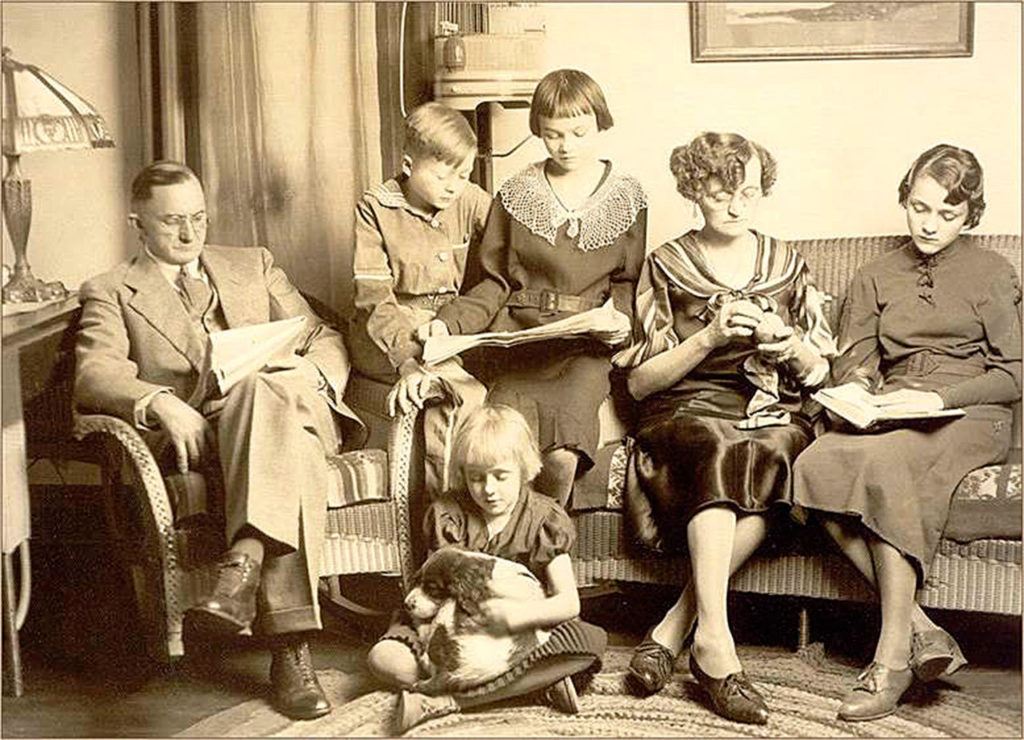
[(296, 691), (876, 694), (650, 667), (935, 653), (231, 607), (733, 697)]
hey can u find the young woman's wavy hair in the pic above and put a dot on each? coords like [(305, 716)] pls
[(489, 435), (565, 93), (724, 156), (955, 169)]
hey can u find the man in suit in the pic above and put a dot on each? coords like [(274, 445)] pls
[(140, 356)]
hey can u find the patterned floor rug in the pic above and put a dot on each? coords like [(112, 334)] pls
[(802, 690)]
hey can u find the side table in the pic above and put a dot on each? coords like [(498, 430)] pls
[(37, 373)]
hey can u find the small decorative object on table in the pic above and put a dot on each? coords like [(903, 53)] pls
[(39, 114)]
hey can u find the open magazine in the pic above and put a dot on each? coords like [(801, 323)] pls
[(859, 407), (234, 353), (439, 349)]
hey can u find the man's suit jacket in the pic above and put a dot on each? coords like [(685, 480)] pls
[(135, 335)]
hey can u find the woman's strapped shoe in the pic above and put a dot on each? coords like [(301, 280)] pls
[(562, 696), (414, 708), (876, 694), (733, 697), (230, 609), (651, 666), (935, 653)]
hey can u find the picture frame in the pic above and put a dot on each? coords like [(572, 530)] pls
[(757, 31)]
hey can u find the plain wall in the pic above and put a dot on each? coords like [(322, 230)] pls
[(843, 131), (80, 197)]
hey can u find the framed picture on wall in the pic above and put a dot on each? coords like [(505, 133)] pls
[(758, 31)]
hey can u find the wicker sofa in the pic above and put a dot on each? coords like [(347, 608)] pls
[(978, 567)]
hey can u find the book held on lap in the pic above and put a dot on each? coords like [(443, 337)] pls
[(439, 349), (862, 409), (234, 353)]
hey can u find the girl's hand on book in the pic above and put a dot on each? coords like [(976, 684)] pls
[(433, 328), (908, 400), (611, 327)]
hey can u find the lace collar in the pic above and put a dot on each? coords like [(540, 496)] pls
[(603, 217), (390, 195)]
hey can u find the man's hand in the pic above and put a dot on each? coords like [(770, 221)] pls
[(611, 327), (433, 328), (190, 433)]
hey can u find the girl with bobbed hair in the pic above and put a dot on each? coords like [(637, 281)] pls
[(932, 325), (728, 336)]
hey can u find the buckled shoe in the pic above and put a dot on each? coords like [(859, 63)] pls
[(733, 697), (650, 667), (876, 694), (296, 692), (231, 608)]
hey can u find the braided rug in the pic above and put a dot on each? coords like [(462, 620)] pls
[(802, 690)]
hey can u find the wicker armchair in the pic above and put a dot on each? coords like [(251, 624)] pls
[(168, 556)]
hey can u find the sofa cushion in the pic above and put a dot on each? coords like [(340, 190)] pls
[(986, 504), (356, 477)]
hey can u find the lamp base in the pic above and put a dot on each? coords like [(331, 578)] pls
[(27, 288)]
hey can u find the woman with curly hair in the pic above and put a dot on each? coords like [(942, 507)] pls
[(728, 335), (932, 325)]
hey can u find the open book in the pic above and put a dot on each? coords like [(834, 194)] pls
[(860, 408), (234, 353), (439, 349)]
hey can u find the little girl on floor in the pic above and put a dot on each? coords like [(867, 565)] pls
[(493, 509)]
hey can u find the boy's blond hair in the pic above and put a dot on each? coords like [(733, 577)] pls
[(435, 130), (491, 434)]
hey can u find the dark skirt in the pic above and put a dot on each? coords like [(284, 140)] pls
[(900, 483), (694, 461), (558, 386)]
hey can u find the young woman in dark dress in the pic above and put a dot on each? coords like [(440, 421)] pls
[(729, 333), (564, 235), (935, 324)]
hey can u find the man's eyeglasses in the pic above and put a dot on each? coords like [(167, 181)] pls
[(177, 221)]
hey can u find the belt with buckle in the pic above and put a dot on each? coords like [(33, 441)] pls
[(548, 301)]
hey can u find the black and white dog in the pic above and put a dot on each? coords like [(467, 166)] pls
[(445, 601)]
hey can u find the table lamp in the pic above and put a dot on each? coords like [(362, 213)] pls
[(39, 114)]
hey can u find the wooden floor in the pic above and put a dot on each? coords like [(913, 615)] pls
[(113, 693)]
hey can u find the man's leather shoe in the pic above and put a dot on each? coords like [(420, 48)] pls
[(876, 694), (414, 708), (733, 697), (934, 653), (231, 607), (296, 691)]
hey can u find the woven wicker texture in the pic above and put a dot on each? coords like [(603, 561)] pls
[(802, 690)]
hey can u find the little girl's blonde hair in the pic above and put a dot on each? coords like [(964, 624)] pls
[(491, 434)]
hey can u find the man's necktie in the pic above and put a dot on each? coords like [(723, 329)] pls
[(195, 293)]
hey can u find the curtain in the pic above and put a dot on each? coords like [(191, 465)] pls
[(289, 132)]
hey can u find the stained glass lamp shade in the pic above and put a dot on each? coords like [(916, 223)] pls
[(39, 113)]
